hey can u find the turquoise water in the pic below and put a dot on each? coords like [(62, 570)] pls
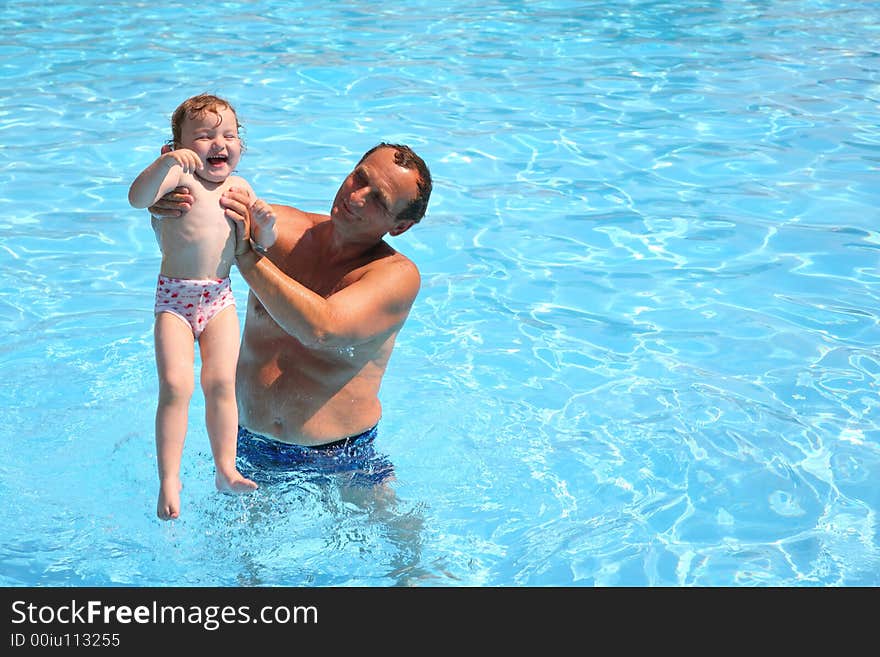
[(645, 348)]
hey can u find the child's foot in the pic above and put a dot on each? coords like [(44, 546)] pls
[(168, 506), (234, 482)]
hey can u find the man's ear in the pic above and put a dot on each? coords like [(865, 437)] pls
[(400, 227)]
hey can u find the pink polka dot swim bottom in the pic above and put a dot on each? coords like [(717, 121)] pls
[(195, 301)]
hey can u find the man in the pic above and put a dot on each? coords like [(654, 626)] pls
[(326, 303)]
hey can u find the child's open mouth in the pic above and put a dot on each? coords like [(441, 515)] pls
[(217, 160)]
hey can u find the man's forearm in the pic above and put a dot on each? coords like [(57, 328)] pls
[(295, 308)]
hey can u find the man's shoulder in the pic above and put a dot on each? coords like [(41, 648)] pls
[(393, 262), (290, 213)]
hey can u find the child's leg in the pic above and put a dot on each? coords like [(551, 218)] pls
[(218, 344), (175, 351)]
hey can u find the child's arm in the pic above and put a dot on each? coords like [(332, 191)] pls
[(162, 176), (259, 227), (262, 229)]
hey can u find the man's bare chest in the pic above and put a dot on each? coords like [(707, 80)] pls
[(309, 269), (322, 279)]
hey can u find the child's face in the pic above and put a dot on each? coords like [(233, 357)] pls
[(214, 138)]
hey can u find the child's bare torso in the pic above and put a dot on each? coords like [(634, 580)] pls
[(201, 243)]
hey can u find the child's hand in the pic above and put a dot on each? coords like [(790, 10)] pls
[(263, 223), (188, 160)]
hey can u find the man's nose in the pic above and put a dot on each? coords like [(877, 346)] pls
[(359, 196)]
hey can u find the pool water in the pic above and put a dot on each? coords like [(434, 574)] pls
[(645, 351)]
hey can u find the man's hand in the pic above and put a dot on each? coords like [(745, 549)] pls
[(174, 204), (254, 220)]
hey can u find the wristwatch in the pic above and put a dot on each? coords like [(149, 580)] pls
[(259, 250)]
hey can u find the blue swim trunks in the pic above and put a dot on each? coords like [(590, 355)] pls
[(354, 459)]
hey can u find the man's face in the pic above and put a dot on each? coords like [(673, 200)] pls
[(374, 194)]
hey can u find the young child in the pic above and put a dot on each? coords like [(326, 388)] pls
[(194, 301)]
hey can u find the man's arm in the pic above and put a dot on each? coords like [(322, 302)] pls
[(375, 305)]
